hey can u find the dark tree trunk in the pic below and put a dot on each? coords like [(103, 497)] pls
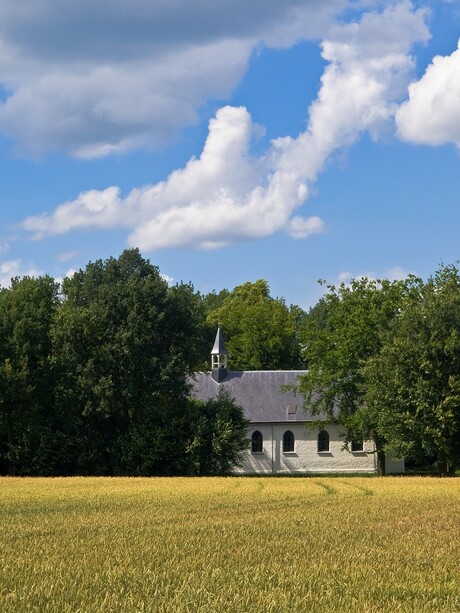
[(445, 468), (381, 469)]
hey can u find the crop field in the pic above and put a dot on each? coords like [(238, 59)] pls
[(229, 545)]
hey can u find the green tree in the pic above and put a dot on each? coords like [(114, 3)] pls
[(125, 344), (341, 334), (261, 332), (187, 316), (214, 300), (216, 435), (27, 441), (415, 379)]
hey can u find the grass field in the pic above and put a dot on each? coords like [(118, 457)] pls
[(229, 545)]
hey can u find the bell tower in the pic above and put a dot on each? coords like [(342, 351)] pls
[(219, 358)]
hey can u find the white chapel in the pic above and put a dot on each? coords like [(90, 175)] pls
[(279, 440)]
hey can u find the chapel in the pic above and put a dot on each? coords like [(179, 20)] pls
[(279, 441)]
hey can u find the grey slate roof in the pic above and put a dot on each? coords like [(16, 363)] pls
[(260, 393)]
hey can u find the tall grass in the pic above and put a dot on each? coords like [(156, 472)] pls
[(229, 545)]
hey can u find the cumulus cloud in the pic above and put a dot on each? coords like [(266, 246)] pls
[(301, 227), (16, 268), (369, 68), (431, 114), (94, 208), (94, 78), (226, 194)]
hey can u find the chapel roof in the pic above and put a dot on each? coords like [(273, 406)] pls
[(261, 393)]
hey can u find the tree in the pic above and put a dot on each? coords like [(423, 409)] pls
[(214, 300), (26, 402), (415, 379), (125, 344), (261, 332), (341, 334), (187, 317), (216, 435)]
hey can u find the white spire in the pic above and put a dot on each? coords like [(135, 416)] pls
[(219, 345), (219, 358)]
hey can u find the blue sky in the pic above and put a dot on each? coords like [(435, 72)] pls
[(231, 141)]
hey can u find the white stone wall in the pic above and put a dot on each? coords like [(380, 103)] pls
[(305, 457)]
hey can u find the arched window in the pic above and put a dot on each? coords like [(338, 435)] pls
[(323, 441), (288, 441), (257, 442)]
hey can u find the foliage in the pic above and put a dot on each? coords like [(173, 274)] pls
[(261, 332), (415, 380), (341, 334), (125, 344), (229, 545), (384, 360), (26, 410), (217, 435), (97, 382), (214, 300)]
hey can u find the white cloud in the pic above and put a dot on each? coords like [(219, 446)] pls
[(99, 209), (70, 273), (94, 78), (346, 276), (395, 273), (222, 197), (16, 268), (67, 255), (369, 68), (227, 195), (398, 274), (169, 280), (431, 114), (300, 227)]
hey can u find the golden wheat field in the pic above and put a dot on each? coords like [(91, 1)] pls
[(229, 545)]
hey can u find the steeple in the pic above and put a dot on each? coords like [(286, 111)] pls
[(219, 358)]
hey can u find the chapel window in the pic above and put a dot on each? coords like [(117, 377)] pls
[(357, 446), (257, 442), (323, 441), (288, 442)]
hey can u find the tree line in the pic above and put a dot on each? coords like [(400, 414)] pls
[(95, 372), (384, 360)]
